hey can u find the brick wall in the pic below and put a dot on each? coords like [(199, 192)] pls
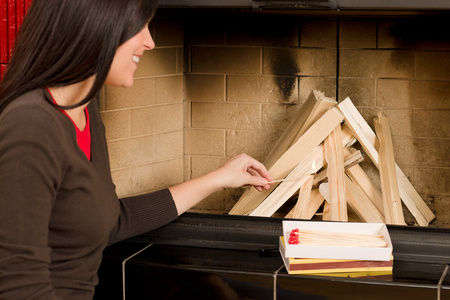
[(402, 68), (144, 124), (220, 84), (246, 79)]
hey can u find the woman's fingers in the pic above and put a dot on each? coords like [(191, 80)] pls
[(242, 170), (260, 170)]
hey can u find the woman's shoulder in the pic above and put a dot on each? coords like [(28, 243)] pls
[(31, 100), (31, 105), (31, 112)]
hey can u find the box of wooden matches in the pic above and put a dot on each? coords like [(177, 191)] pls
[(336, 240), (355, 268)]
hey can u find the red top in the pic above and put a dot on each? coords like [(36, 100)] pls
[(83, 136)]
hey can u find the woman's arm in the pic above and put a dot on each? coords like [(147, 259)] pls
[(149, 211), (240, 170)]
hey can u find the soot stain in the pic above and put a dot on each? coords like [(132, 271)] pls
[(285, 64), (287, 88), (421, 31)]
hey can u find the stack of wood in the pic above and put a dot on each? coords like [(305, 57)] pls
[(314, 158)]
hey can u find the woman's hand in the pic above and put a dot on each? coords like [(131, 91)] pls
[(243, 170), (240, 170)]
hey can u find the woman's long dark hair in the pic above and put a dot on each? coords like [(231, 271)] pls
[(62, 42)]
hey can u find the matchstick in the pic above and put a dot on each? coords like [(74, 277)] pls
[(321, 238)]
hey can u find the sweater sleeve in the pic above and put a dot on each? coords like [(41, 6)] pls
[(28, 173), (143, 213)]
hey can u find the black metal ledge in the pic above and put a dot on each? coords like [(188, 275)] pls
[(204, 256)]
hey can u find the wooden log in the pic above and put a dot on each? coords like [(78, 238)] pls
[(315, 201), (313, 108), (357, 201), (302, 172), (304, 198), (367, 138), (322, 105), (288, 187), (316, 198), (334, 156), (350, 160), (393, 211), (326, 216), (352, 216), (361, 204), (296, 154), (324, 190), (360, 177)]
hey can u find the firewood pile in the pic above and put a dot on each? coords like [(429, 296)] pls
[(316, 162)]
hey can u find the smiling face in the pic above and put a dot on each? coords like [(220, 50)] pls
[(127, 58)]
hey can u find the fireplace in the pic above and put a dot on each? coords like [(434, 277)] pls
[(225, 81)]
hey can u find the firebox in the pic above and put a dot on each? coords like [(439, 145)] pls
[(232, 75), (232, 79)]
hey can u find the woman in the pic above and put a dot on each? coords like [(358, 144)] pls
[(58, 206)]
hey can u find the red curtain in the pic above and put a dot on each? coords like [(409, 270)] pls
[(11, 17)]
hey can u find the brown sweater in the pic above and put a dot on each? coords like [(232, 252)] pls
[(58, 211)]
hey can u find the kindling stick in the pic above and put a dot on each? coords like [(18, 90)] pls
[(287, 179), (350, 161)]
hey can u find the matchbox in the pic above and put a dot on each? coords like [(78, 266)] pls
[(342, 251)]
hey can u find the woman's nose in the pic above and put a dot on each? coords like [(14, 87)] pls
[(149, 44)]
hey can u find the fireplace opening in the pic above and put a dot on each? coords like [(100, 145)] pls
[(222, 82)]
